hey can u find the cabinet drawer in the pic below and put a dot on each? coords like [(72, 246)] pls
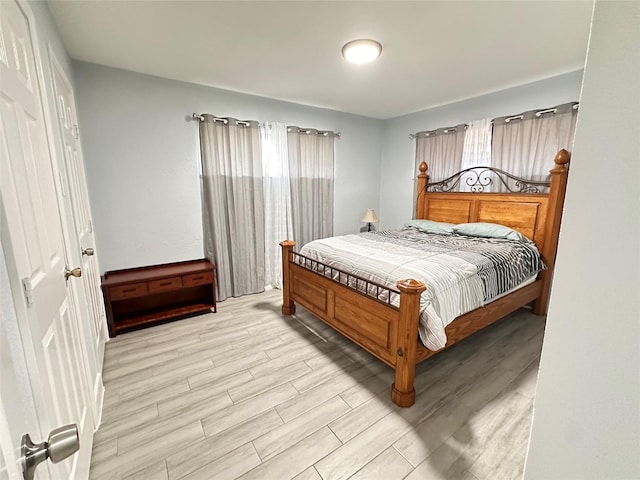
[(197, 279), (128, 291), (165, 284)]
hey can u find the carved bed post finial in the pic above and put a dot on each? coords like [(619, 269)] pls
[(403, 393), (423, 180), (561, 159), (288, 307), (557, 190)]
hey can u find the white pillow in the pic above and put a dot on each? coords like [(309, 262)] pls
[(489, 230), (430, 226)]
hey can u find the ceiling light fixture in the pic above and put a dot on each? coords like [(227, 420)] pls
[(361, 51)]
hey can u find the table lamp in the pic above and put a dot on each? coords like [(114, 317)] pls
[(369, 218)]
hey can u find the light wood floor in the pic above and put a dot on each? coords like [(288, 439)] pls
[(247, 393)]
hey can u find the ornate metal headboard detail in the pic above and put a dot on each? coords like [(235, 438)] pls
[(477, 179)]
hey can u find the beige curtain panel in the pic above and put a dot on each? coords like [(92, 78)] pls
[(525, 144), (233, 204), (311, 170), (441, 149)]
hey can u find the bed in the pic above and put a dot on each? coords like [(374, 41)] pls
[(385, 319)]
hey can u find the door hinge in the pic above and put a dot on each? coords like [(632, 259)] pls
[(28, 291), (76, 132)]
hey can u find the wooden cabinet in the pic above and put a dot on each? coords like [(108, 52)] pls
[(140, 297)]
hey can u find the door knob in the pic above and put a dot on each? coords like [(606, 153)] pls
[(76, 272), (62, 443), (88, 251)]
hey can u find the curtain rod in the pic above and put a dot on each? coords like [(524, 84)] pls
[(200, 118), (313, 131), (539, 113), (427, 133), (308, 131)]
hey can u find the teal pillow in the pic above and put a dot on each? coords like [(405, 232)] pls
[(489, 230), (429, 226)]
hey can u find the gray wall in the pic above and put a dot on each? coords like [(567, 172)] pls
[(142, 155), (142, 160), (398, 154), (586, 423)]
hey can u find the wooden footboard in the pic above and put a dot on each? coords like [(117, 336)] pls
[(388, 332)]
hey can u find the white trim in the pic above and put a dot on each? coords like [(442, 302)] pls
[(98, 395)]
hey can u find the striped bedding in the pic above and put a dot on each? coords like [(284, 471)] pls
[(461, 273)]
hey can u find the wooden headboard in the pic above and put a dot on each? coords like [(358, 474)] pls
[(526, 213), (536, 215)]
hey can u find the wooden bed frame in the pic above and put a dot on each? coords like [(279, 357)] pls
[(391, 333)]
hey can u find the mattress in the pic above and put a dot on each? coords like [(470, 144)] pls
[(461, 273)]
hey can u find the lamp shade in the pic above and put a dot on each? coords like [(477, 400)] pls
[(370, 216)]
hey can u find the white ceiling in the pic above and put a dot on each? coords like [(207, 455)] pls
[(434, 52)]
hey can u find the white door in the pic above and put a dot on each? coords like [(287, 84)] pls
[(80, 229), (17, 410), (32, 239)]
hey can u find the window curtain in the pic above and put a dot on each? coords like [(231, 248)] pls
[(441, 150), (526, 144), (311, 170), (233, 205), (476, 152), (277, 198)]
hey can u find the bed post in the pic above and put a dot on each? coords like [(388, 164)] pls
[(403, 393), (559, 175), (288, 307), (423, 179)]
